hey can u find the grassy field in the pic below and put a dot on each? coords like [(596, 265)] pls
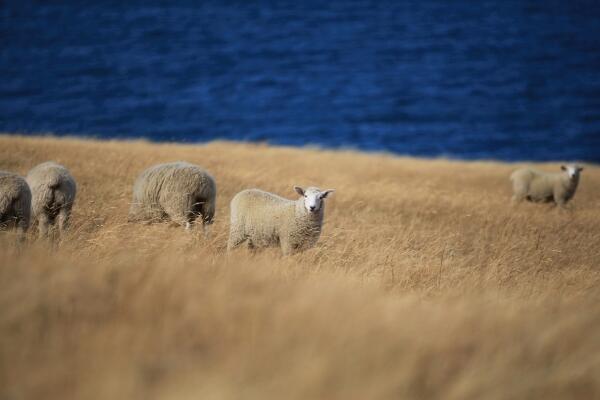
[(426, 284)]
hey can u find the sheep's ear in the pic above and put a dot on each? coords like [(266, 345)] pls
[(326, 192), (299, 190), (563, 167)]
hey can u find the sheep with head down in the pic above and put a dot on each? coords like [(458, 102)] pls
[(264, 219), (178, 191), (53, 192), (536, 186), (15, 203)]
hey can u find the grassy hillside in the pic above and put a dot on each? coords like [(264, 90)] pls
[(426, 283)]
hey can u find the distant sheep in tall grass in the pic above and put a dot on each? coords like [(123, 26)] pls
[(529, 184), (15, 203), (264, 219), (53, 192), (178, 191)]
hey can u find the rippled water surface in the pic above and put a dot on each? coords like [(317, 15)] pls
[(508, 80)]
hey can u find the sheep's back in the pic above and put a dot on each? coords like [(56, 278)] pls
[(164, 182), (187, 179), (51, 183), (261, 214)]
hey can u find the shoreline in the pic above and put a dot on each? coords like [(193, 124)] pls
[(309, 147)]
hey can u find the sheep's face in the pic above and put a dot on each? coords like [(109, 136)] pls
[(572, 170), (313, 198)]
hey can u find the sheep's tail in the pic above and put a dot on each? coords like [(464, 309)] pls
[(54, 183), (47, 195)]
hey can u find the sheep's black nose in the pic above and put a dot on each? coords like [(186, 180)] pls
[(312, 208)]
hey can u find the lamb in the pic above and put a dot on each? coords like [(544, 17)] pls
[(15, 203), (266, 220), (180, 191), (53, 191), (529, 184)]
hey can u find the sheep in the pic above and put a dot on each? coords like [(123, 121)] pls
[(53, 192), (266, 220), (15, 203), (529, 184), (180, 191)]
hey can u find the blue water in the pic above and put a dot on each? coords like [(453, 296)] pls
[(511, 80)]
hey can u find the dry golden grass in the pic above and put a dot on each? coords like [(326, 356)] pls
[(426, 283)]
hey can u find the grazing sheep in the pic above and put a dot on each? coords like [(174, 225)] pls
[(15, 203), (264, 219), (532, 185), (53, 191), (179, 191)]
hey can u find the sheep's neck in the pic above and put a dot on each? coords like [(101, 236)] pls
[(570, 185)]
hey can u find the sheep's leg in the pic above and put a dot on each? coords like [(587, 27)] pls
[(206, 229), (559, 198), (179, 217), (286, 247), (232, 244), (561, 205), (43, 223), (63, 220), (519, 191), (519, 195), (21, 230), (194, 210), (190, 218), (235, 239)]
